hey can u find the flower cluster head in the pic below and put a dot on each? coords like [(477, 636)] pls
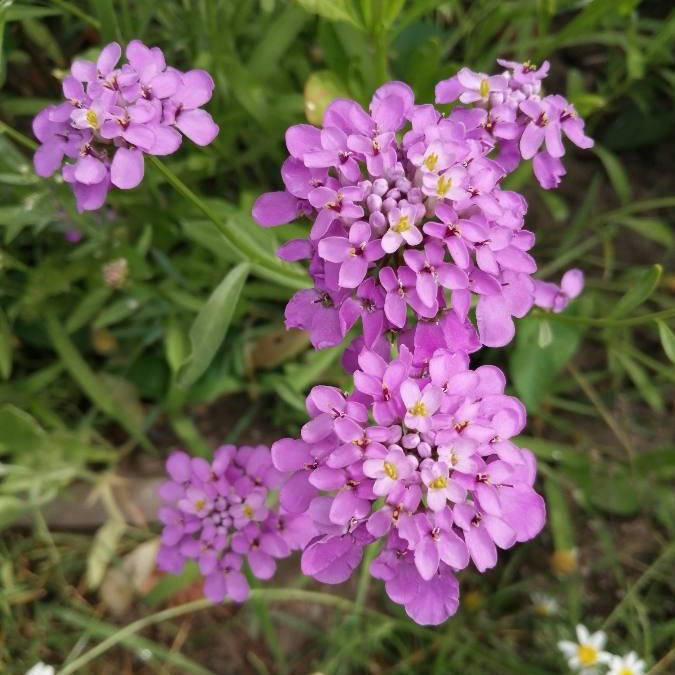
[(588, 655), (114, 115), (216, 513), (419, 456), (407, 209), (410, 230)]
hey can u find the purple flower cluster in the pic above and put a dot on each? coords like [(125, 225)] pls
[(435, 475), (114, 115), (410, 230), (217, 513), (407, 208)]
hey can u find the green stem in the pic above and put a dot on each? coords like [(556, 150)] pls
[(265, 266), (266, 594), (381, 54), (76, 11), (610, 217), (18, 137), (88, 380), (630, 321), (132, 629), (662, 563)]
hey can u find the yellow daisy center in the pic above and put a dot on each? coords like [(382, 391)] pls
[(626, 671), (587, 655)]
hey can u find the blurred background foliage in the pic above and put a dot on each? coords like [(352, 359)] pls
[(159, 321)]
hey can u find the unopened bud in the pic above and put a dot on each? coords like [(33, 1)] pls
[(103, 341), (564, 561), (115, 272)]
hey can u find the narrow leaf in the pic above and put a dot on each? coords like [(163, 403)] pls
[(92, 386), (617, 174), (667, 340), (5, 347), (640, 290), (210, 327)]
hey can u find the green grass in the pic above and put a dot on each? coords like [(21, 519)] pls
[(94, 378)]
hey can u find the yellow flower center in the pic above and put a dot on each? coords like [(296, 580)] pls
[(443, 185), (248, 511), (431, 161), (92, 118), (200, 504), (403, 225), (587, 655), (484, 87), (418, 410), (438, 483), (626, 671), (390, 470)]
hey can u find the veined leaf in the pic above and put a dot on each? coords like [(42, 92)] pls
[(639, 292), (616, 172), (333, 10), (667, 340), (539, 356), (210, 327)]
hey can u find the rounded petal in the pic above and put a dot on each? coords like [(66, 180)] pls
[(108, 58), (275, 208), (196, 90), (127, 168), (197, 125)]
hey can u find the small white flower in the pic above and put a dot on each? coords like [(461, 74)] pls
[(630, 664), (41, 669), (544, 605), (587, 652)]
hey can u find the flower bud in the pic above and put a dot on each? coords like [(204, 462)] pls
[(115, 272)]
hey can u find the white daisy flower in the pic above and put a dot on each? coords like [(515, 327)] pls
[(630, 664), (41, 669), (587, 652), (544, 605)]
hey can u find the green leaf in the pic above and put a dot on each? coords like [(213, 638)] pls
[(5, 347), (210, 327), (613, 490), (279, 36), (642, 381), (540, 354), (321, 88), (102, 550), (640, 290), (170, 584), (559, 517), (650, 228), (11, 508), (667, 339), (617, 174), (90, 383), (4, 7), (41, 36), (333, 10), (175, 345), (87, 308), (19, 432)]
